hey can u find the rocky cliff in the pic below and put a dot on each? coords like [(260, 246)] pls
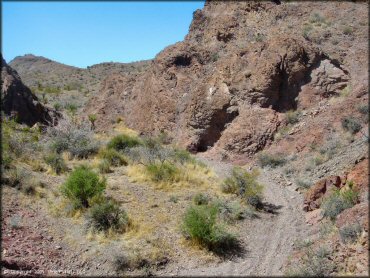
[(18, 101), (226, 87)]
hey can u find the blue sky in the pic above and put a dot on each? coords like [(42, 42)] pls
[(87, 33)]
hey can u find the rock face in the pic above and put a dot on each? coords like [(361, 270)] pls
[(225, 87), (18, 101)]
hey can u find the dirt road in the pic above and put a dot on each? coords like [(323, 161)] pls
[(270, 238)]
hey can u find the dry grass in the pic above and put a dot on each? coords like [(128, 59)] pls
[(189, 176)]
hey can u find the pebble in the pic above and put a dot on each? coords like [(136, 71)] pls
[(58, 247)]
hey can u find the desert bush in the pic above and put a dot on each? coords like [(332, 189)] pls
[(231, 211), (200, 199), (245, 185), (316, 263), (121, 263), (292, 117), (113, 157), (104, 167), (330, 148), (78, 139), (350, 233), (351, 124), (174, 199), (364, 109), (162, 172), (57, 106), (317, 18), (92, 119), (71, 108), (302, 183), (107, 216), (15, 222), (272, 160), (347, 30), (15, 177), (200, 225), (82, 185), (123, 142), (56, 162), (182, 156), (339, 201)]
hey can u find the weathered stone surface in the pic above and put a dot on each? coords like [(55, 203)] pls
[(357, 214), (314, 196)]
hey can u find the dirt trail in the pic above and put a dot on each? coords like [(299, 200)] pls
[(270, 238)]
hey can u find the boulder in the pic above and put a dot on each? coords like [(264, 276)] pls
[(314, 196)]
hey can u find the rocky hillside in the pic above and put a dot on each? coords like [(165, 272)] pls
[(18, 102), (227, 86), (38, 71), (65, 87)]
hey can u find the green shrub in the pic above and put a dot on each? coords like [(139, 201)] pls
[(339, 201), (104, 167), (71, 108), (56, 162), (82, 185), (350, 233), (351, 124), (107, 215), (123, 142), (272, 160), (113, 157), (182, 156), (200, 225), (162, 172), (92, 119), (245, 185), (292, 117), (200, 199)]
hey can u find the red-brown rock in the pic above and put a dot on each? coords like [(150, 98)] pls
[(314, 196)]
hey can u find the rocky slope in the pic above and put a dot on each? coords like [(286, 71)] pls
[(18, 101), (38, 71), (242, 63)]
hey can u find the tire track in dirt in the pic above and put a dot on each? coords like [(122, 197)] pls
[(270, 239)]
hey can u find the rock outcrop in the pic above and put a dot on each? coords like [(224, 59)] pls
[(19, 103), (226, 86)]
